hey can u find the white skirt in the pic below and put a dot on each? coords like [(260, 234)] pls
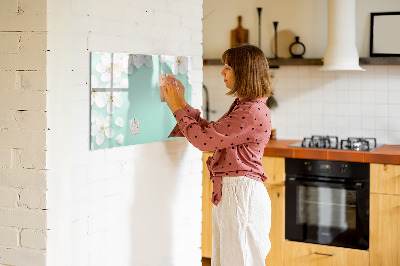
[(241, 223)]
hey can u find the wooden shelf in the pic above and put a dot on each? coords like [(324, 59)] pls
[(274, 63), (380, 61)]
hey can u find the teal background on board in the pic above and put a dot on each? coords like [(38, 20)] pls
[(141, 101)]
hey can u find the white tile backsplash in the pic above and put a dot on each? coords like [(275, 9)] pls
[(343, 103)]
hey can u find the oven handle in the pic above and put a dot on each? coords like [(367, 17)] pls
[(324, 254), (357, 185)]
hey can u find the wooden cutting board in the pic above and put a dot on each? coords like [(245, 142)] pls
[(239, 35)]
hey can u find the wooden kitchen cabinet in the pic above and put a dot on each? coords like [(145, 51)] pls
[(385, 178), (274, 168), (384, 215), (384, 236), (277, 233), (305, 254), (206, 225)]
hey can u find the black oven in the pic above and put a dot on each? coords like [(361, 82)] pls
[(327, 202)]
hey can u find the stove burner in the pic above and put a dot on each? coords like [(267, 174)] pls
[(358, 144), (332, 142), (328, 142)]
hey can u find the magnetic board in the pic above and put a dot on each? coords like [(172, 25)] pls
[(127, 106)]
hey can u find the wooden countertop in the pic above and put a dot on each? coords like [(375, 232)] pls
[(389, 154)]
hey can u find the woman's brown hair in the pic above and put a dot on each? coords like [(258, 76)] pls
[(250, 66)]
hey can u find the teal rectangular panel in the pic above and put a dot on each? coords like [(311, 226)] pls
[(126, 104)]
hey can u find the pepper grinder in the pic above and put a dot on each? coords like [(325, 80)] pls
[(276, 39), (259, 26)]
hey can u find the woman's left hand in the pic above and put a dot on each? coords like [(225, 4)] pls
[(171, 94)]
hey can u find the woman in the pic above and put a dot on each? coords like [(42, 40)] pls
[(242, 209)]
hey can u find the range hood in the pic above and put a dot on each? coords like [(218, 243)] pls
[(341, 51)]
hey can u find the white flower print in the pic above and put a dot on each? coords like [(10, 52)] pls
[(180, 65), (100, 98), (119, 122), (102, 128), (165, 58), (104, 68), (124, 84), (120, 69), (114, 100), (94, 82), (139, 59), (120, 139), (93, 116)]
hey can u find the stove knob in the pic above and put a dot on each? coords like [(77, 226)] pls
[(343, 168)]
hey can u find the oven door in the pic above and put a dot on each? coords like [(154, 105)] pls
[(327, 213)]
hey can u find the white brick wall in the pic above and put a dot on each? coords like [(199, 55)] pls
[(134, 205), (23, 126)]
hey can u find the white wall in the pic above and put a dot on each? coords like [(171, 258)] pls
[(306, 19), (311, 102), (134, 205), (23, 133)]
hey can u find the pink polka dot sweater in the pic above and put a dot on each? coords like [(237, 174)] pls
[(238, 139)]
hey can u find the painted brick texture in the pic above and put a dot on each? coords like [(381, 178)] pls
[(23, 126), (134, 205)]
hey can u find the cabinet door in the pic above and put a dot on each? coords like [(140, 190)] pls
[(277, 233), (384, 230), (274, 168), (206, 226), (385, 178), (304, 254)]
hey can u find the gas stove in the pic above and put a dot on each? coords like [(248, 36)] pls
[(332, 142)]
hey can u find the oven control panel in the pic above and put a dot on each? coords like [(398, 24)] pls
[(337, 169)]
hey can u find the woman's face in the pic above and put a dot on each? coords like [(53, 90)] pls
[(229, 76)]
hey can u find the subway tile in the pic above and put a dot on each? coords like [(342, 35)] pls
[(329, 109), (367, 82), (367, 122), (342, 96), (316, 83), (394, 83), (367, 96), (292, 82), (355, 109), (342, 109), (382, 136), (381, 97), (355, 132), (304, 72), (303, 82), (355, 96), (394, 97), (380, 71), (394, 137), (355, 122), (380, 84), (354, 82), (394, 71), (367, 133), (291, 71), (342, 121), (381, 110), (394, 110), (394, 123), (367, 110), (381, 123)]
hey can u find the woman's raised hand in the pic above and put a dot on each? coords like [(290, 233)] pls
[(174, 93)]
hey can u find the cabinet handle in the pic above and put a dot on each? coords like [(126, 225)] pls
[(324, 254)]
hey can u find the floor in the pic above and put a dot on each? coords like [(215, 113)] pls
[(206, 261)]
